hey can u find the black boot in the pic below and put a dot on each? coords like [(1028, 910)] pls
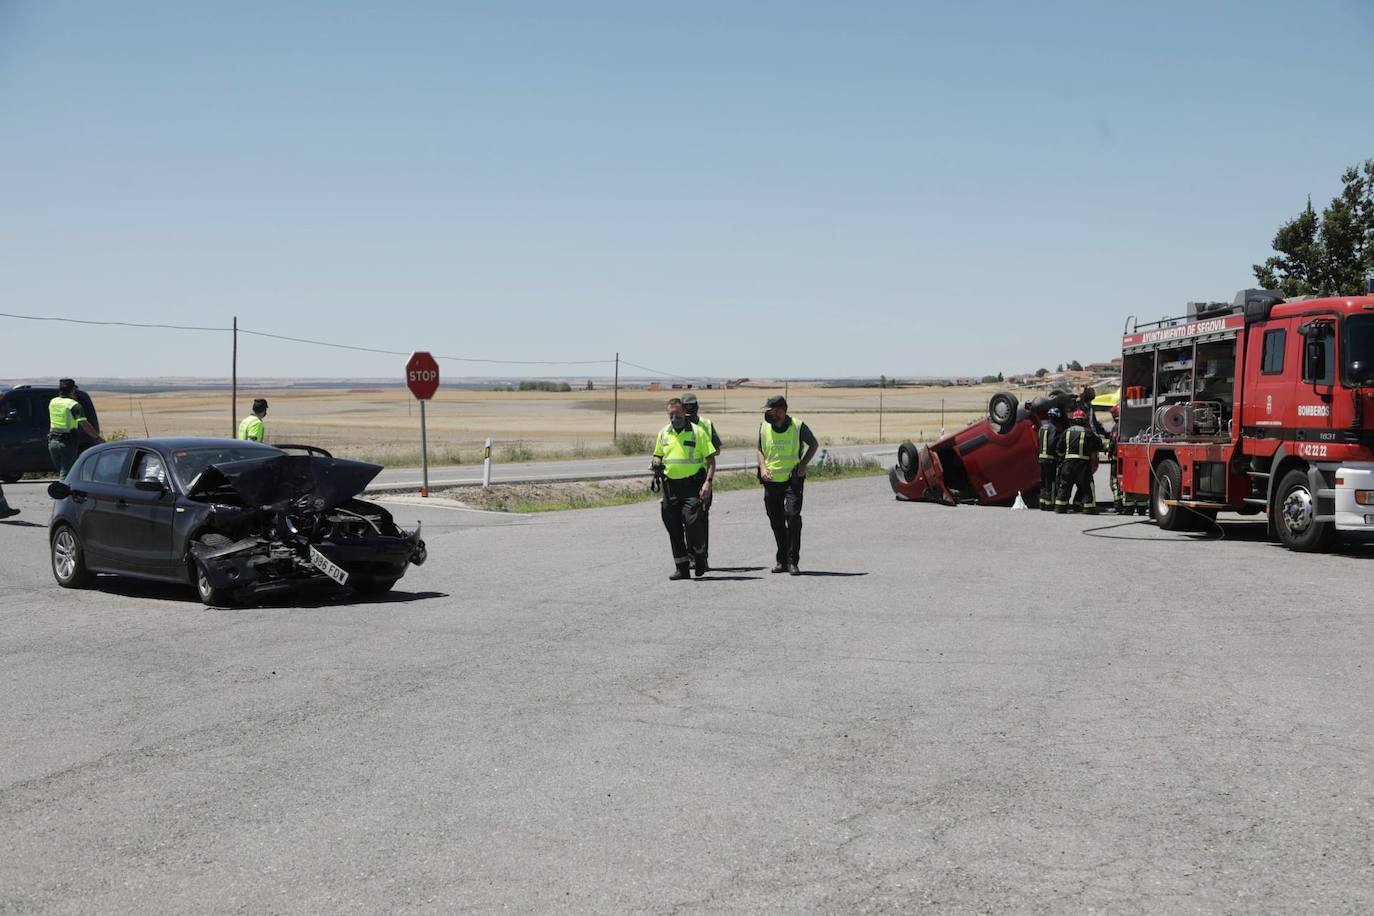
[(682, 572)]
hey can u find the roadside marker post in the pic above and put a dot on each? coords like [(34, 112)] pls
[(422, 378), (486, 465)]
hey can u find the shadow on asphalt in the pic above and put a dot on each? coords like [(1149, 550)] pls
[(20, 523), (310, 595), (711, 578), (821, 572), (729, 569)]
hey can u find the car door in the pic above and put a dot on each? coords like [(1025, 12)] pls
[(102, 493), (140, 523)]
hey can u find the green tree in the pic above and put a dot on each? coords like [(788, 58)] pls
[(999, 377), (1075, 365), (1059, 368), (1330, 254), (1041, 373)]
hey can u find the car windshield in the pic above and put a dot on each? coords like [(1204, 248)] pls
[(188, 463), (1359, 341)]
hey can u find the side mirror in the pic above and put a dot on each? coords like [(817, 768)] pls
[(59, 490), (150, 485), (1360, 373)]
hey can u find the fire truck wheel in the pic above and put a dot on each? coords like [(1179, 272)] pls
[(1002, 411), (907, 460), (1295, 511), (1167, 486)]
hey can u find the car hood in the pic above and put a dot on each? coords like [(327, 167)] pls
[(281, 478)]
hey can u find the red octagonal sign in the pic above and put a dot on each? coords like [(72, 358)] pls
[(422, 375)]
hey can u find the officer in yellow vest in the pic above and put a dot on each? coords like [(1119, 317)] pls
[(782, 471), (692, 409), (251, 427), (66, 418), (684, 453)]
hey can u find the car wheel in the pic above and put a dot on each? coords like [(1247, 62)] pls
[(11, 478), (209, 595), (907, 460), (68, 559), (1296, 515), (1002, 411), (1167, 485), (367, 585)]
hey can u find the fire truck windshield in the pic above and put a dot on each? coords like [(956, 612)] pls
[(1359, 342)]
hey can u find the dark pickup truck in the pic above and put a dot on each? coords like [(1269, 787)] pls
[(24, 430)]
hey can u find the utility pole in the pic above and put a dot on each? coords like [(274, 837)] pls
[(615, 408), (234, 384), (882, 383)]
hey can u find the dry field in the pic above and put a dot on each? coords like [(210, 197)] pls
[(386, 422)]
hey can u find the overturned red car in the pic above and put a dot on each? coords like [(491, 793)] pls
[(991, 461)]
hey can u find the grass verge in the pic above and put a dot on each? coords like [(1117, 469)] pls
[(598, 494)]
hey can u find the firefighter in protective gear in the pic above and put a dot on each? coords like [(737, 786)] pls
[(688, 461), (1046, 433), (1076, 447), (1126, 503), (692, 408)]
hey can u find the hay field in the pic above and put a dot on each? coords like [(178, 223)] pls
[(386, 422)]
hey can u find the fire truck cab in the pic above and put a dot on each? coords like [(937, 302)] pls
[(1260, 405)]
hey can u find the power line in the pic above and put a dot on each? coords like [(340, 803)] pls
[(316, 343), (658, 371), (123, 324)]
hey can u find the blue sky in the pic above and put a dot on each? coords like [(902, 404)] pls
[(717, 189)]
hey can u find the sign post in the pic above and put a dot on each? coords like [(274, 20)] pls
[(422, 378)]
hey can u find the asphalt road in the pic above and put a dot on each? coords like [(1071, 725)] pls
[(397, 479), (956, 710)]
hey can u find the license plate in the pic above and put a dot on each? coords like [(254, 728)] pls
[(326, 566)]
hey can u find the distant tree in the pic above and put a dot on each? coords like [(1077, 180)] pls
[(882, 381), (999, 376), (1059, 368), (1041, 373), (989, 379), (1076, 366), (589, 385), (1331, 254)]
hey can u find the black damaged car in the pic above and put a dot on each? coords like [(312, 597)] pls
[(235, 519)]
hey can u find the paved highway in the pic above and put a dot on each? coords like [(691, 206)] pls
[(396, 479), (956, 710)]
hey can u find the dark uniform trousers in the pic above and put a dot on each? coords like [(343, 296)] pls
[(63, 451), (1076, 474), (706, 524), (1049, 464), (783, 502), (684, 517)]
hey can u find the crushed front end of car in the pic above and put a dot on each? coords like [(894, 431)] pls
[(283, 520)]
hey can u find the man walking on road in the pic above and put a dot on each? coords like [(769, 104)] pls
[(66, 417), (691, 407), (251, 427), (687, 459), (6, 510), (782, 471)]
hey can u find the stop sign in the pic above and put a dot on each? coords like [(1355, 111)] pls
[(422, 375)]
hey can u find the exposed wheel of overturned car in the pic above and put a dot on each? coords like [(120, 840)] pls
[(1002, 410), (908, 459)]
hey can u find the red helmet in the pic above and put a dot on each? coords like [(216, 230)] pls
[(1078, 414), (1116, 412)]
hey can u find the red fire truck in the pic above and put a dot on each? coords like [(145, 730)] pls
[(1260, 405)]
